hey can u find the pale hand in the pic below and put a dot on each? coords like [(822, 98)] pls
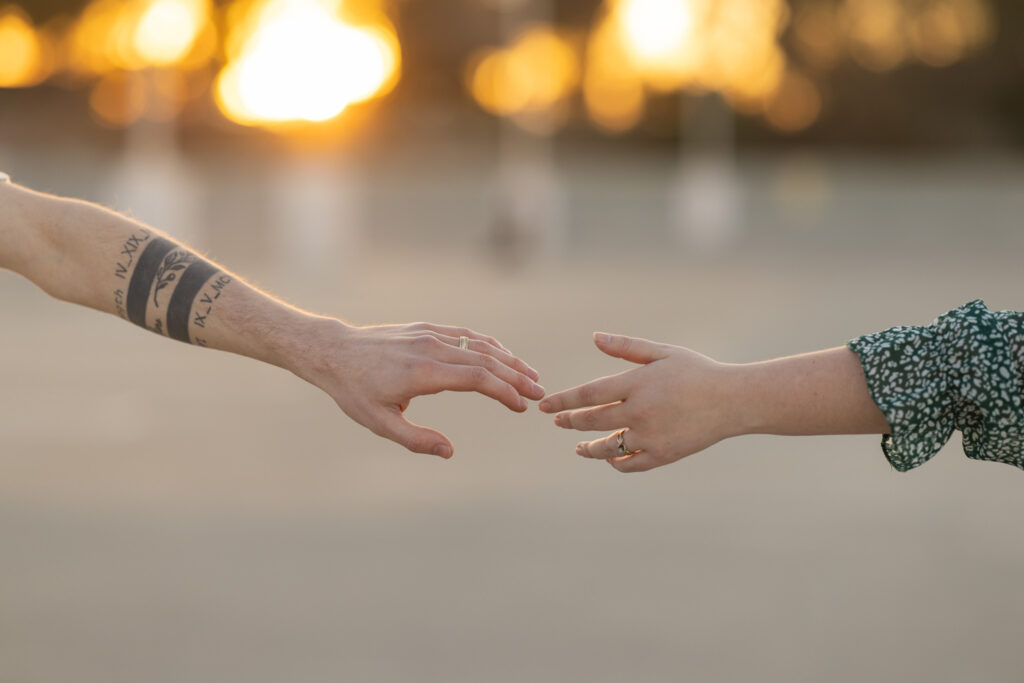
[(671, 406), (373, 373)]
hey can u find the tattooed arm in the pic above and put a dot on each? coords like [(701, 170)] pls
[(84, 254)]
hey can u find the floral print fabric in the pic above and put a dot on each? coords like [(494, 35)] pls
[(962, 372)]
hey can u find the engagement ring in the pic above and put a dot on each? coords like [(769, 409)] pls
[(622, 444)]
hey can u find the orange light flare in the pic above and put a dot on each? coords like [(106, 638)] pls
[(881, 35), (26, 53), (530, 80), (304, 61), (141, 57), (132, 35), (659, 46)]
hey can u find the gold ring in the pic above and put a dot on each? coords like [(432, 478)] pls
[(463, 342), (622, 444)]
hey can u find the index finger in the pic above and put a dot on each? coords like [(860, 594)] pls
[(598, 392)]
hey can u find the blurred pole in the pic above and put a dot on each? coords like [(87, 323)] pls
[(706, 194), (152, 181), (316, 205), (530, 216)]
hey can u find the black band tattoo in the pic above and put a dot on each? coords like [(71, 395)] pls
[(142, 279), (180, 307), (160, 263), (173, 263)]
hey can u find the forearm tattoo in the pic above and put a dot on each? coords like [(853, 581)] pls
[(161, 266)]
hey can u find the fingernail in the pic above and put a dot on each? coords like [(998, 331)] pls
[(579, 449), (442, 451), (603, 337), (522, 403), (558, 420), (537, 387), (545, 406)]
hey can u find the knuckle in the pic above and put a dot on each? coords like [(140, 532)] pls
[(419, 444)]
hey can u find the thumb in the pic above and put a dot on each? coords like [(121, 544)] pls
[(417, 439), (633, 349)]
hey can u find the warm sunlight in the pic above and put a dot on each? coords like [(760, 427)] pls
[(21, 50), (528, 79), (298, 60), (167, 29), (656, 30)]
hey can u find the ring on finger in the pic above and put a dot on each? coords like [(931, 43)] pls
[(463, 342), (623, 450)]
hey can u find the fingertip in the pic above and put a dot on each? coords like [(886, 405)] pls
[(442, 450), (602, 338)]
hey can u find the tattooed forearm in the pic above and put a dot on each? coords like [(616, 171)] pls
[(160, 264), (128, 250)]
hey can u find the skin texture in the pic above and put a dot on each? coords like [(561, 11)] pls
[(84, 254), (677, 402)]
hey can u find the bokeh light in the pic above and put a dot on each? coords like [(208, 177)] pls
[(529, 80), (132, 35), (274, 63), (300, 61), (24, 60), (167, 30), (650, 46)]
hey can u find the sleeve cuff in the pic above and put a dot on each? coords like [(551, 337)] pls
[(960, 372)]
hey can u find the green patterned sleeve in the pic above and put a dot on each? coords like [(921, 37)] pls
[(961, 372)]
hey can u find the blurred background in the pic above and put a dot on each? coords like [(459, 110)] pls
[(750, 178)]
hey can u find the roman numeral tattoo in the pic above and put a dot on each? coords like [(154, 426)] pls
[(160, 263), (128, 251)]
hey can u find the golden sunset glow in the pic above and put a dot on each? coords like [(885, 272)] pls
[(166, 30), (23, 61), (292, 61), (528, 79), (137, 34), (657, 37), (649, 46), (298, 60)]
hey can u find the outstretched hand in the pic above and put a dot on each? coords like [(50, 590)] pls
[(671, 406), (373, 373)]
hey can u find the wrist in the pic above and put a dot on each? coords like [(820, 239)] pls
[(311, 344), (745, 400)]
